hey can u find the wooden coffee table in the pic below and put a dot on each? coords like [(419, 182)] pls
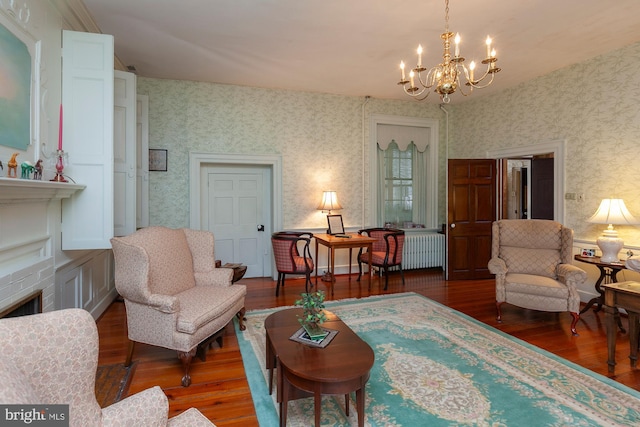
[(339, 368)]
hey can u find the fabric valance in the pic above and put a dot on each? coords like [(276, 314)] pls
[(403, 136)]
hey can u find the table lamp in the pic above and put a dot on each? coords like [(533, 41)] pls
[(329, 202), (611, 211)]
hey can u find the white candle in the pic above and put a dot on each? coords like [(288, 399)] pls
[(411, 77), (472, 67), (419, 56), (488, 47), (457, 40), (402, 69), (493, 53)]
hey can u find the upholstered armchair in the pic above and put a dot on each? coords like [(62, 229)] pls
[(287, 246), (532, 262), (174, 295), (52, 358), (386, 251)]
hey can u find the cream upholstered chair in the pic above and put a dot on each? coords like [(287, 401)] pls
[(531, 259), (51, 359), (174, 295)]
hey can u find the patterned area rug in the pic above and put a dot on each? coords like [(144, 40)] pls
[(112, 383), (438, 367)]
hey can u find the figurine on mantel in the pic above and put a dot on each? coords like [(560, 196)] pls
[(13, 166), (27, 169), (37, 174)]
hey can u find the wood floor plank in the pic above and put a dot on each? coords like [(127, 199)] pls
[(219, 387)]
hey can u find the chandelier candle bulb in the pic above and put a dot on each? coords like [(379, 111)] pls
[(419, 58), (411, 77), (472, 67), (457, 41), (402, 69), (488, 47)]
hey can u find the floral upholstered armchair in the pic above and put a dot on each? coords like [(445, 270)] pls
[(51, 358), (174, 295), (531, 259)]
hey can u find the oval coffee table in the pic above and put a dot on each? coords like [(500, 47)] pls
[(339, 368)]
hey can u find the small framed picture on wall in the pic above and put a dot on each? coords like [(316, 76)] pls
[(157, 160)]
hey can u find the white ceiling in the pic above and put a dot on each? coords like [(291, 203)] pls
[(354, 47)]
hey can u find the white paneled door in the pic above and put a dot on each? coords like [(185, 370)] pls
[(236, 208)]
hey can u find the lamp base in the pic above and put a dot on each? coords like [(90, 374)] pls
[(610, 247)]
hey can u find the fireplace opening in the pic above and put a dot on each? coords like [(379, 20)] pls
[(31, 304)]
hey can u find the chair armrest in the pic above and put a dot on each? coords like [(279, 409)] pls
[(571, 274), (163, 303), (149, 407), (497, 266), (215, 277)]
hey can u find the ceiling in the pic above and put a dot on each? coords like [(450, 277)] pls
[(354, 47)]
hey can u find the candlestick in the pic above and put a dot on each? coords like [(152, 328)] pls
[(402, 68), (59, 168), (457, 40), (419, 56), (488, 47), (60, 131)]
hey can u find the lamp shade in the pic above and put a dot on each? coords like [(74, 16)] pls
[(329, 201), (611, 211)]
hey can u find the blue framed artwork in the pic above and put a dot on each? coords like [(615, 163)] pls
[(15, 91)]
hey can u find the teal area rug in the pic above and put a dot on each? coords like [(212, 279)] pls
[(438, 367)]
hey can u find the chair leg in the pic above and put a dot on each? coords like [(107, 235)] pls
[(307, 283), (576, 317), (402, 274), (278, 283), (185, 358), (359, 270), (386, 278), (499, 311), (241, 320), (127, 362)]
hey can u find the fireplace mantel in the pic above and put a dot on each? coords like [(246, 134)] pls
[(13, 190)]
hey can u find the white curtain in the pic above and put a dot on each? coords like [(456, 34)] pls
[(420, 160)]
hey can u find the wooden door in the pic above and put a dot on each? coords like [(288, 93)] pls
[(542, 184), (472, 209)]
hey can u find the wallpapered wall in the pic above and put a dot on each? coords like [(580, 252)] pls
[(319, 136), (594, 106)]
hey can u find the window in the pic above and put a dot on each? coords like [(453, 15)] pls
[(404, 168), (398, 185)]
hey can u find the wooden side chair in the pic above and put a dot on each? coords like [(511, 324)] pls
[(287, 256), (386, 251)]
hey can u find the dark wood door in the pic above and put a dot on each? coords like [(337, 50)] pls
[(472, 209), (542, 188)]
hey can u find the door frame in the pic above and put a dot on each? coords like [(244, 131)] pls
[(558, 148), (198, 159)]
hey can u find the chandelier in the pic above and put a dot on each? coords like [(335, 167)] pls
[(445, 77)]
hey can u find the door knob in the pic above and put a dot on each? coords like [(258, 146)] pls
[(260, 227), (453, 226)]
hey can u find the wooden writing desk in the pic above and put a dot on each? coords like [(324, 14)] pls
[(333, 243), (622, 295)]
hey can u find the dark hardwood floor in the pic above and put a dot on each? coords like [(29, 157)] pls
[(219, 387)]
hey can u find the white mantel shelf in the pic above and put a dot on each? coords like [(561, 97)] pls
[(14, 190)]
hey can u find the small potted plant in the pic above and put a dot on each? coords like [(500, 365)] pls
[(313, 315)]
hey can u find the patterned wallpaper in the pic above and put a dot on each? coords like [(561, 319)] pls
[(594, 106), (319, 136)]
